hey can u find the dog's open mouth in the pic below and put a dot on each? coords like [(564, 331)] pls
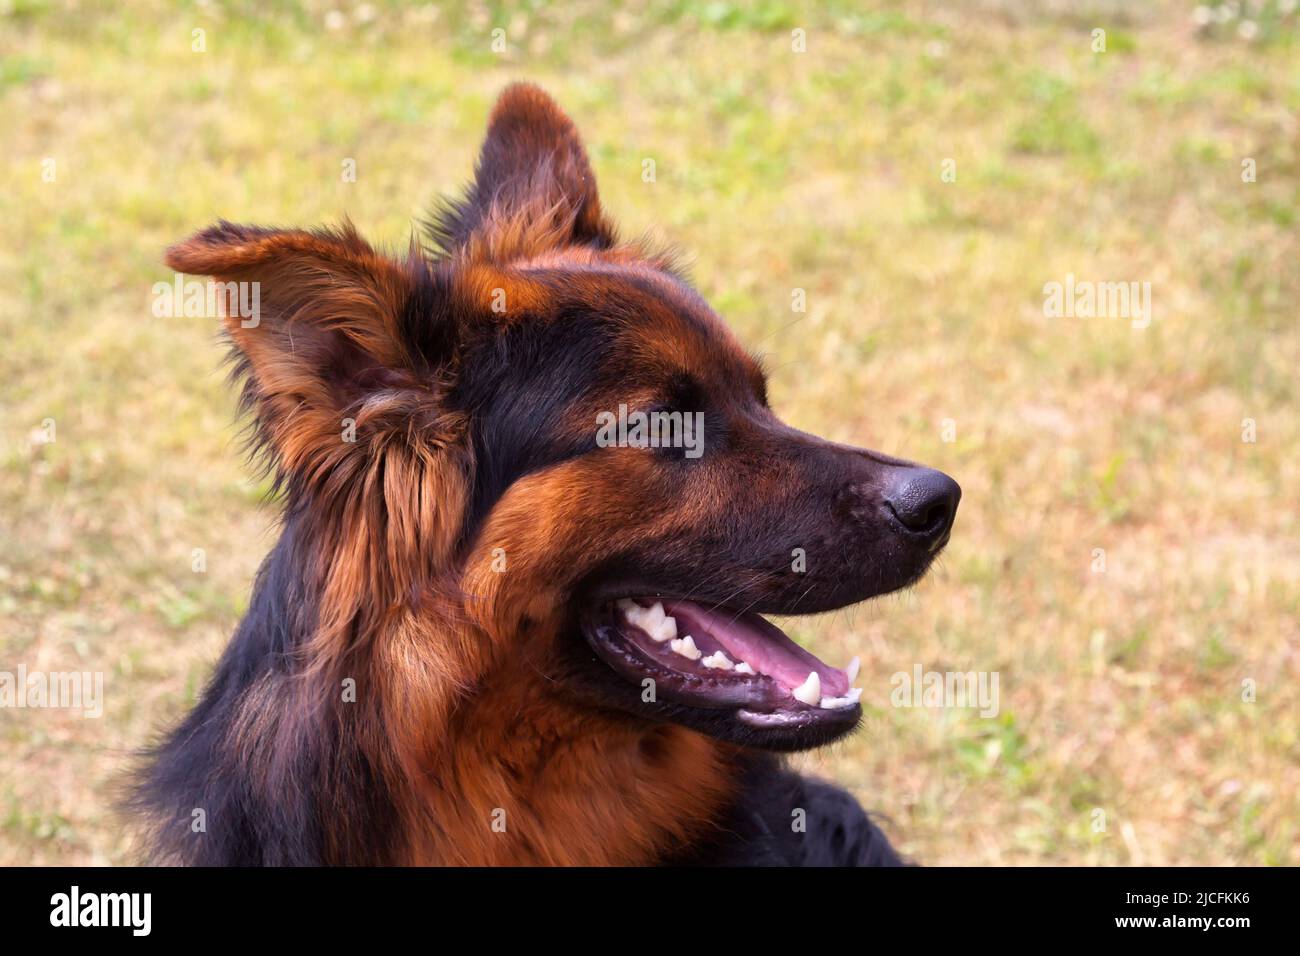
[(705, 656)]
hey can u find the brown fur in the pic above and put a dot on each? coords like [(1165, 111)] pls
[(474, 441), (454, 705)]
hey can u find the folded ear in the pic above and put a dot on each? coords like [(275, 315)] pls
[(533, 188), (332, 338)]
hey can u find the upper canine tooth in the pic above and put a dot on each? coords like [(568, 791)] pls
[(810, 691), (686, 647), (744, 668), (718, 661), (852, 670)]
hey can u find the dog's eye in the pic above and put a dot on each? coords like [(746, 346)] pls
[(661, 429)]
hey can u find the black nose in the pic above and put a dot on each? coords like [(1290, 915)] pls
[(924, 501)]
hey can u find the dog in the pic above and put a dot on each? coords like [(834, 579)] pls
[(501, 626)]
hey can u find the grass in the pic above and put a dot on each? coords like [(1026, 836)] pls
[(1122, 735)]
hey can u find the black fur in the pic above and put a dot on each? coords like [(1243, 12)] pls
[(273, 818), (292, 784), (781, 818)]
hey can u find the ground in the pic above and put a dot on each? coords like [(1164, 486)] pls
[(1126, 557)]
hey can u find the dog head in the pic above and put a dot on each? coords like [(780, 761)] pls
[(538, 444)]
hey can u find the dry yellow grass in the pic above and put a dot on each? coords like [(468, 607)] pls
[(1121, 691)]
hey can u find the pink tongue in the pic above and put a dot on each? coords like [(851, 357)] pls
[(763, 645)]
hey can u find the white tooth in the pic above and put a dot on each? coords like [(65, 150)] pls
[(852, 670), (810, 691), (633, 613), (654, 614), (686, 647), (657, 624), (840, 703), (664, 630), (718, 661), (744, 668), (652, 620)]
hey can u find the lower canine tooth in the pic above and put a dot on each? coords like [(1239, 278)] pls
[(840, 703), (852, 670), (686, 648), (718, 661), (810, 691), (744, 668)]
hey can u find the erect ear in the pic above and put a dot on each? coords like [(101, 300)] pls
[(533, 188), (329, 334)]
